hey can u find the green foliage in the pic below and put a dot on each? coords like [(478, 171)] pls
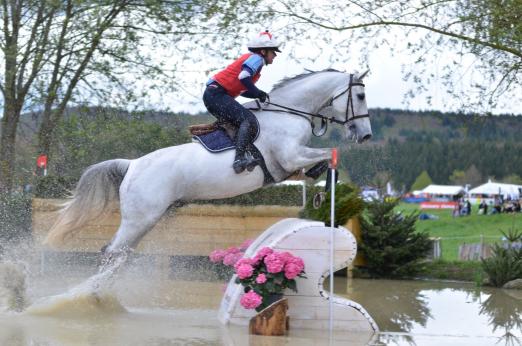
[(453, 270), (512, 235), (85, 138), (286, 195), (512, 179), (390, 243), (15, 219), (52, 186), (439, 143), (348, 204), (489, 31), (458, 177), (422, 181), (505, 265)]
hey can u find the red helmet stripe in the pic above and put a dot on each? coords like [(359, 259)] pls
[(266, 33)]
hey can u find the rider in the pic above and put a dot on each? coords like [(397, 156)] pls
[(237, 79)]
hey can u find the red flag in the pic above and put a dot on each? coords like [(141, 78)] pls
[(41, 161), (334, 158)]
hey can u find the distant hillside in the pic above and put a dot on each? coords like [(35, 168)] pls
[(404, 143), (386, 123)]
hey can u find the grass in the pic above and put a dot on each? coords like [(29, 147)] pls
[(455, 270), (465, 229)]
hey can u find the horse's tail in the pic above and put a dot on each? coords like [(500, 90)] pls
[(97, 188)]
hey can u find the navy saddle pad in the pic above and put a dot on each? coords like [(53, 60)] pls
[(216, 141)]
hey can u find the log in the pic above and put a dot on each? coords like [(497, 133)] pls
[(272, 320)]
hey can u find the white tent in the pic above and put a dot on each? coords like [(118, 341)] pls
[(495, 189), (443, 190)]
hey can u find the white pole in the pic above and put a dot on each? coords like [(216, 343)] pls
[(304, 193), (332, 234)]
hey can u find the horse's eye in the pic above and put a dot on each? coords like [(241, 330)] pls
[(360, 97)]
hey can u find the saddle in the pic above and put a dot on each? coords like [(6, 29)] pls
[(219, 136), (203, 129)]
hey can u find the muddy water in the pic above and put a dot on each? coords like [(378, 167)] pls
[(146, 307)]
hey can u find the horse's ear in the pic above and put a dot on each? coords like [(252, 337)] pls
[(362, 75)]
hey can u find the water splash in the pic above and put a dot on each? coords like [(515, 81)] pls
[(12, 287), (90, 298)]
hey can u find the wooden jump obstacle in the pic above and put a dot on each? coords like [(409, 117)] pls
[(309, 307)]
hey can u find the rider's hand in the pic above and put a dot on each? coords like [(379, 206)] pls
[(262, 96)]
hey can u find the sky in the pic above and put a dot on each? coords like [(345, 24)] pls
[(385, 87)]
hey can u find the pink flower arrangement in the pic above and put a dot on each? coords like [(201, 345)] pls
[(266, 274)]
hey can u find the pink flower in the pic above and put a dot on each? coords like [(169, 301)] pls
[(231, 258), (262, 253), (217, 256), (243, 261), (251, 300), (292, 271), (244, 271), (293, 267), (274, 264), (261, 278), (298, 261), (285, 256), (246, 244), (232, 249)]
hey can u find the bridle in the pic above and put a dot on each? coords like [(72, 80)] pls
[(325, 119)]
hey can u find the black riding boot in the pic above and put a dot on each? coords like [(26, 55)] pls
[(243, 160)]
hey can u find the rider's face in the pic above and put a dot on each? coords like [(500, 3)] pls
[(269, 56)]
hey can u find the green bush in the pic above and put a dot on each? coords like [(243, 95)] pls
[(285, 195), (348, 204), (454, 270), (505, 265), (390, 243), (52, 186)]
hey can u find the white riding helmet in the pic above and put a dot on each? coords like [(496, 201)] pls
[(264, 40)]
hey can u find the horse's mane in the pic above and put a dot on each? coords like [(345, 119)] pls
[(306, 74)]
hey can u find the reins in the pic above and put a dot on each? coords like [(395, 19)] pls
[(324, 119)]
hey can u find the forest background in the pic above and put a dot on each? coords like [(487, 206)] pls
[(409, 149)]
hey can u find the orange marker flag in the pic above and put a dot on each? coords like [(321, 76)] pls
[(334, 158)]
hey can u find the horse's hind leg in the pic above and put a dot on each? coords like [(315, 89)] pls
[(135, 224)]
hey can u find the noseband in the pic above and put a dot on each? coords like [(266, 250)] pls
[(325, 119)]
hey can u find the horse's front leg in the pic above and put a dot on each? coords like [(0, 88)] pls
[(303, 157)]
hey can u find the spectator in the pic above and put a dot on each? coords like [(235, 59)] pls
[(483, 208)]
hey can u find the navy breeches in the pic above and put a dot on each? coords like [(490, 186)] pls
[(226, 108)]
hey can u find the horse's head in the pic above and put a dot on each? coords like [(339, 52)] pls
[(349, 106)]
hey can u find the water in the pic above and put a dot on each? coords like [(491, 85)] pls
[(145, 306)]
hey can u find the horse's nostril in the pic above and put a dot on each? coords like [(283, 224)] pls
[(367, 137)]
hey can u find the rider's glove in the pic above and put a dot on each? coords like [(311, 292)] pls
[(262, 96)]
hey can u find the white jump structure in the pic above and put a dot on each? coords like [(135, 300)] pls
[(309, 308)]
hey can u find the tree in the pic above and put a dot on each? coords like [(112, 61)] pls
[(422, 181), (87, 136), (484, 35), (512, 179), (55, 53), (458, 177), (391, 245)]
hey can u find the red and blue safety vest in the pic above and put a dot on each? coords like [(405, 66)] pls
[(228, 78)]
